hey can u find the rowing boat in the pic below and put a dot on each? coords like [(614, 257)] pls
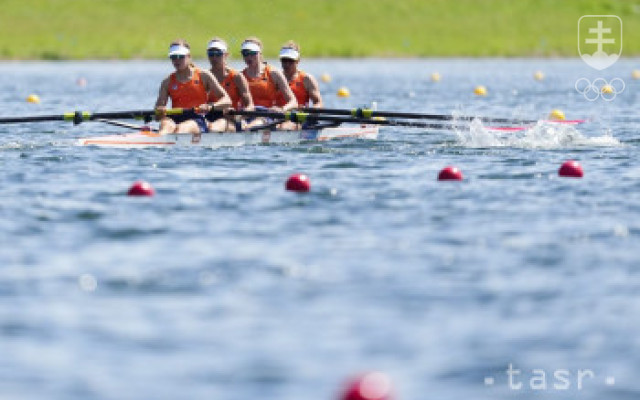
[(364, 125), (147, 138)]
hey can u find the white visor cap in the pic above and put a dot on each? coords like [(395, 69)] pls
[(251, 46), (216, 44), (178, 50), (288, 52)]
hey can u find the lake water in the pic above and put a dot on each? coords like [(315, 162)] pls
[(225, 286)]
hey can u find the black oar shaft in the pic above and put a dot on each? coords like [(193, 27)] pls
[(124, 124), (368, 113), (301, 117), (81, 116), (13, 120)]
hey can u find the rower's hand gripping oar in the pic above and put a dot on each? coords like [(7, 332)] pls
[(301, 117), (368, 113), (78, 117)]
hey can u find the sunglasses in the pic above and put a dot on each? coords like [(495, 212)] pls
[(177, 56), (287, 60), (215, 53), (246, 53)]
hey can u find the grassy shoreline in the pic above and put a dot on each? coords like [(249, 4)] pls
[(138, 29)]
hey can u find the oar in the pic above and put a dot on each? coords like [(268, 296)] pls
[(125, 125), (368, 113), (301, 117), (80, 116)]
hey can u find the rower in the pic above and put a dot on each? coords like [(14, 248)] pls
[(188, 88), (303, 85), (233, 82), (264, 82)]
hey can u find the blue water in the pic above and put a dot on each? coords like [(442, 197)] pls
[(225, 286)]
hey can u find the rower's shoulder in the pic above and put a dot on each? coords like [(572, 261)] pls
[(274, 72), (166, 80), (206, 74), (310, 78), (238, 77)]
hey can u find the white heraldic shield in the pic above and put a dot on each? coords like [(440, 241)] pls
[(600, 40)]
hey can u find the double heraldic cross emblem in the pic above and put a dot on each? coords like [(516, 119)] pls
[(600, 46), (599, 32)]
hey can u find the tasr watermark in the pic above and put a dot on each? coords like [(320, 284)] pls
[(538, 379)]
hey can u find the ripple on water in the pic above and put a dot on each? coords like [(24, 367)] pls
[(225, 285)]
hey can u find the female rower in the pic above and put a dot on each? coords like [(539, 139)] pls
[(187, 87), (233, 82), (264, 82), (303, 85)]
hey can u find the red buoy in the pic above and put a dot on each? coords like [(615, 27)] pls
[(369, 386), (298, 183), (141, 188), (450, 173), (571, 169)]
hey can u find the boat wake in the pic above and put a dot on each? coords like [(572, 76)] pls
[(15, 145), (543, 135)]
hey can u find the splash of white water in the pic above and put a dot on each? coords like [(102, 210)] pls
[(543, 135)]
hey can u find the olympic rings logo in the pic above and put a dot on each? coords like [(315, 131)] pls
[(599, 88)]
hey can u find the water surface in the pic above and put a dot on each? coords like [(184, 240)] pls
[(225, 286)]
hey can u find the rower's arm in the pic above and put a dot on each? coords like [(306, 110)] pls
[(162, 100), (163, 94), (283, 86), (243, 91), (212, 85), (311, 86)]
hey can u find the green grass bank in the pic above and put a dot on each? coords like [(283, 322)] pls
[(139, 29)]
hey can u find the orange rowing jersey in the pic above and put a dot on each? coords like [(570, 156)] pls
[(263, 89), (188, 94), (298, 89), (229, 85)]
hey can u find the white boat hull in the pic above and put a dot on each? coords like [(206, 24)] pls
[(143, 139)]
